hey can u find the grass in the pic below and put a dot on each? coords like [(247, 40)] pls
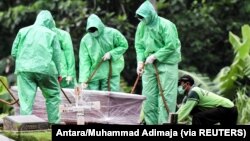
[(29, 135)]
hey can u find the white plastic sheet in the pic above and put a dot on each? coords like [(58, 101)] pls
[(115, 107)]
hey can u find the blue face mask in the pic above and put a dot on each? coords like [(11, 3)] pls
[(94, 34), (181, 90)]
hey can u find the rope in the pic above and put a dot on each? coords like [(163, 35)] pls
[(91, 76), (159, 83), (97, 67), (9, 103), (136, 81), (109, 75), (66, 96), (15, 100), (161, 89)]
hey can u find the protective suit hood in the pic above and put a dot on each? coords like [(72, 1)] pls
[(147, 11), (44, 18), (53, 24), (95, 21), (54, 28)]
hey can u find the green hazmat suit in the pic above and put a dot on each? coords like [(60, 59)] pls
[(67, 58), (158, 37), (37, 52), (92, 49)]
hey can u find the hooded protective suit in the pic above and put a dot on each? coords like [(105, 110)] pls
[(68, 71), (157, 42), (93, 48), (37, 53)]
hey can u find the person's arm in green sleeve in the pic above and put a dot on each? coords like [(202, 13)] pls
[(185, 110), (15, 46), (69, 54), (170, 40), (121, 45), (84, 64), (139, 48), (57, 54)]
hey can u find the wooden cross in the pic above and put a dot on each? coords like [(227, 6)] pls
[(80, 106)]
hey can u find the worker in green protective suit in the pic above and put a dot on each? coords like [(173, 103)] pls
[(205, 107), (68, 71), (37, 52), (101, 43), (157, 43)]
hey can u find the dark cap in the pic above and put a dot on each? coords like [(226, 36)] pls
[(186, 78)]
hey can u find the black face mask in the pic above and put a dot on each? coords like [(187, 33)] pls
[(139, 17), (92, 29)]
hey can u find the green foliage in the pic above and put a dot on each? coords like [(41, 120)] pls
[(203, 28), (124, 86), (211, 18), (4, 108), (243, 106), (237, 75), (4, 95)]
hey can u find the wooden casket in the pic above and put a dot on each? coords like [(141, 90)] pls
[(115, 107)]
